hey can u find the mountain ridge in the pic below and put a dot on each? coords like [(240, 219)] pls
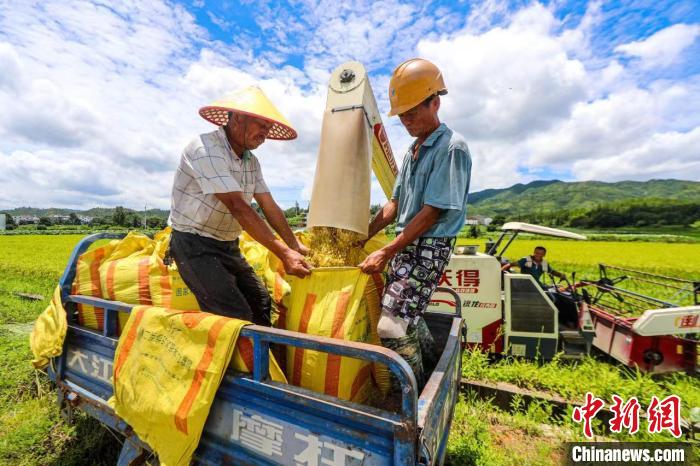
[(538, 196)]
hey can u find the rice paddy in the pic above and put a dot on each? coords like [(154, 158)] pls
[(32, 432)]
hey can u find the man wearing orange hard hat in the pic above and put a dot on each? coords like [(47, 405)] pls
[(429, 205), (214, 185)]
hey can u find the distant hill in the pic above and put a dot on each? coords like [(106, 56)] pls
[(552, 196), (536, 197), (94, 212)]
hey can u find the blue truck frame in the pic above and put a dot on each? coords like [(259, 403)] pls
[(254, 420)]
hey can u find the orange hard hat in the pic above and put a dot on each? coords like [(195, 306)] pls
[(414, 81)]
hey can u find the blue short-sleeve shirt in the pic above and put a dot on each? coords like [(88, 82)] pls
[(440, 178), (537, 270)]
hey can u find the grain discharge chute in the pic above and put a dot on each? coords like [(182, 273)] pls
[(353, 144)]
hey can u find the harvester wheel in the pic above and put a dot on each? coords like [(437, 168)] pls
[(653, 357)]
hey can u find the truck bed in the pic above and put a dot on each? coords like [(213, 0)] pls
[(254, 420)]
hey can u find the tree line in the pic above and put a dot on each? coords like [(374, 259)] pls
[(120, 218), (629, 213)]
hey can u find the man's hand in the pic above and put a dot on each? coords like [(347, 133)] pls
[(301, 249), (375, 262), (294, 264)]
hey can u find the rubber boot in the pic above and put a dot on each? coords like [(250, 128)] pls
[(409, 348), (428, 348)]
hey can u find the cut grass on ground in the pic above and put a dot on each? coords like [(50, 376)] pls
[(602, 379)]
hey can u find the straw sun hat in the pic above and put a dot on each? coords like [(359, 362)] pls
[(249, 101)]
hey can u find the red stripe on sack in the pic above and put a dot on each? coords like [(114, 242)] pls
[(186, 405), (95, 273), (96, 286), (303, 325), (128, 343), (277, 290), (245, 351), (111, 269), (360, 380), (339, 316), (333, 362), (144, 285), (165, 288)]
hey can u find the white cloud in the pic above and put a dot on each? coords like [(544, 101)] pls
[(121, 104), (99, 115), (219, 21), (505, 85), (9, 64), (663, 155), (532, 96), (599, 129), (663, 48)]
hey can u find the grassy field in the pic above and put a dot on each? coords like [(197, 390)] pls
[(681, 260), (32, 432), (677, 259), (484, 434)]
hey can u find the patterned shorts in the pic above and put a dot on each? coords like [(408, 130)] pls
[(413, 276)]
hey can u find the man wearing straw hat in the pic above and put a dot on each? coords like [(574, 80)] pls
[(214, 185), (429, 204)]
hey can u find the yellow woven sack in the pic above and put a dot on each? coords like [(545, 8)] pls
[(49, 332), (135, 273), (266, 265), (332, 302), (132, 271), (356, 378), (87, 283), (168, 408)]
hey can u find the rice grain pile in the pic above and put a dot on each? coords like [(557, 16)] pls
[(335, 247)]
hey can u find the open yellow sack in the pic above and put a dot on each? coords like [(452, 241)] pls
[(346, 305), (332, 302), (168, 408)]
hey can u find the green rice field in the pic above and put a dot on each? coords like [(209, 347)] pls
[(32, 432)]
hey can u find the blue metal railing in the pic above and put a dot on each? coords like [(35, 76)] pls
[(262, 337)]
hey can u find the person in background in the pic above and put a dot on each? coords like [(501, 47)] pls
[(215, 183), (429, 204), (535, 265)]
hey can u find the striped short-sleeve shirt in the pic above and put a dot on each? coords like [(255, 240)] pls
[(209, 166)]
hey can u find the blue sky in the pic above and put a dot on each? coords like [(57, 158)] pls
[(101, 97)]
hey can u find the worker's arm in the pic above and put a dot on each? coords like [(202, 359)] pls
[(426, 217), (384, 217), (275, 217), (294, 263)]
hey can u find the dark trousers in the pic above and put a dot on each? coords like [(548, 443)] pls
[(220, 278)]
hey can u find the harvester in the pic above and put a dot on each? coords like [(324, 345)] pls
[(511, 313), (655, 333)]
